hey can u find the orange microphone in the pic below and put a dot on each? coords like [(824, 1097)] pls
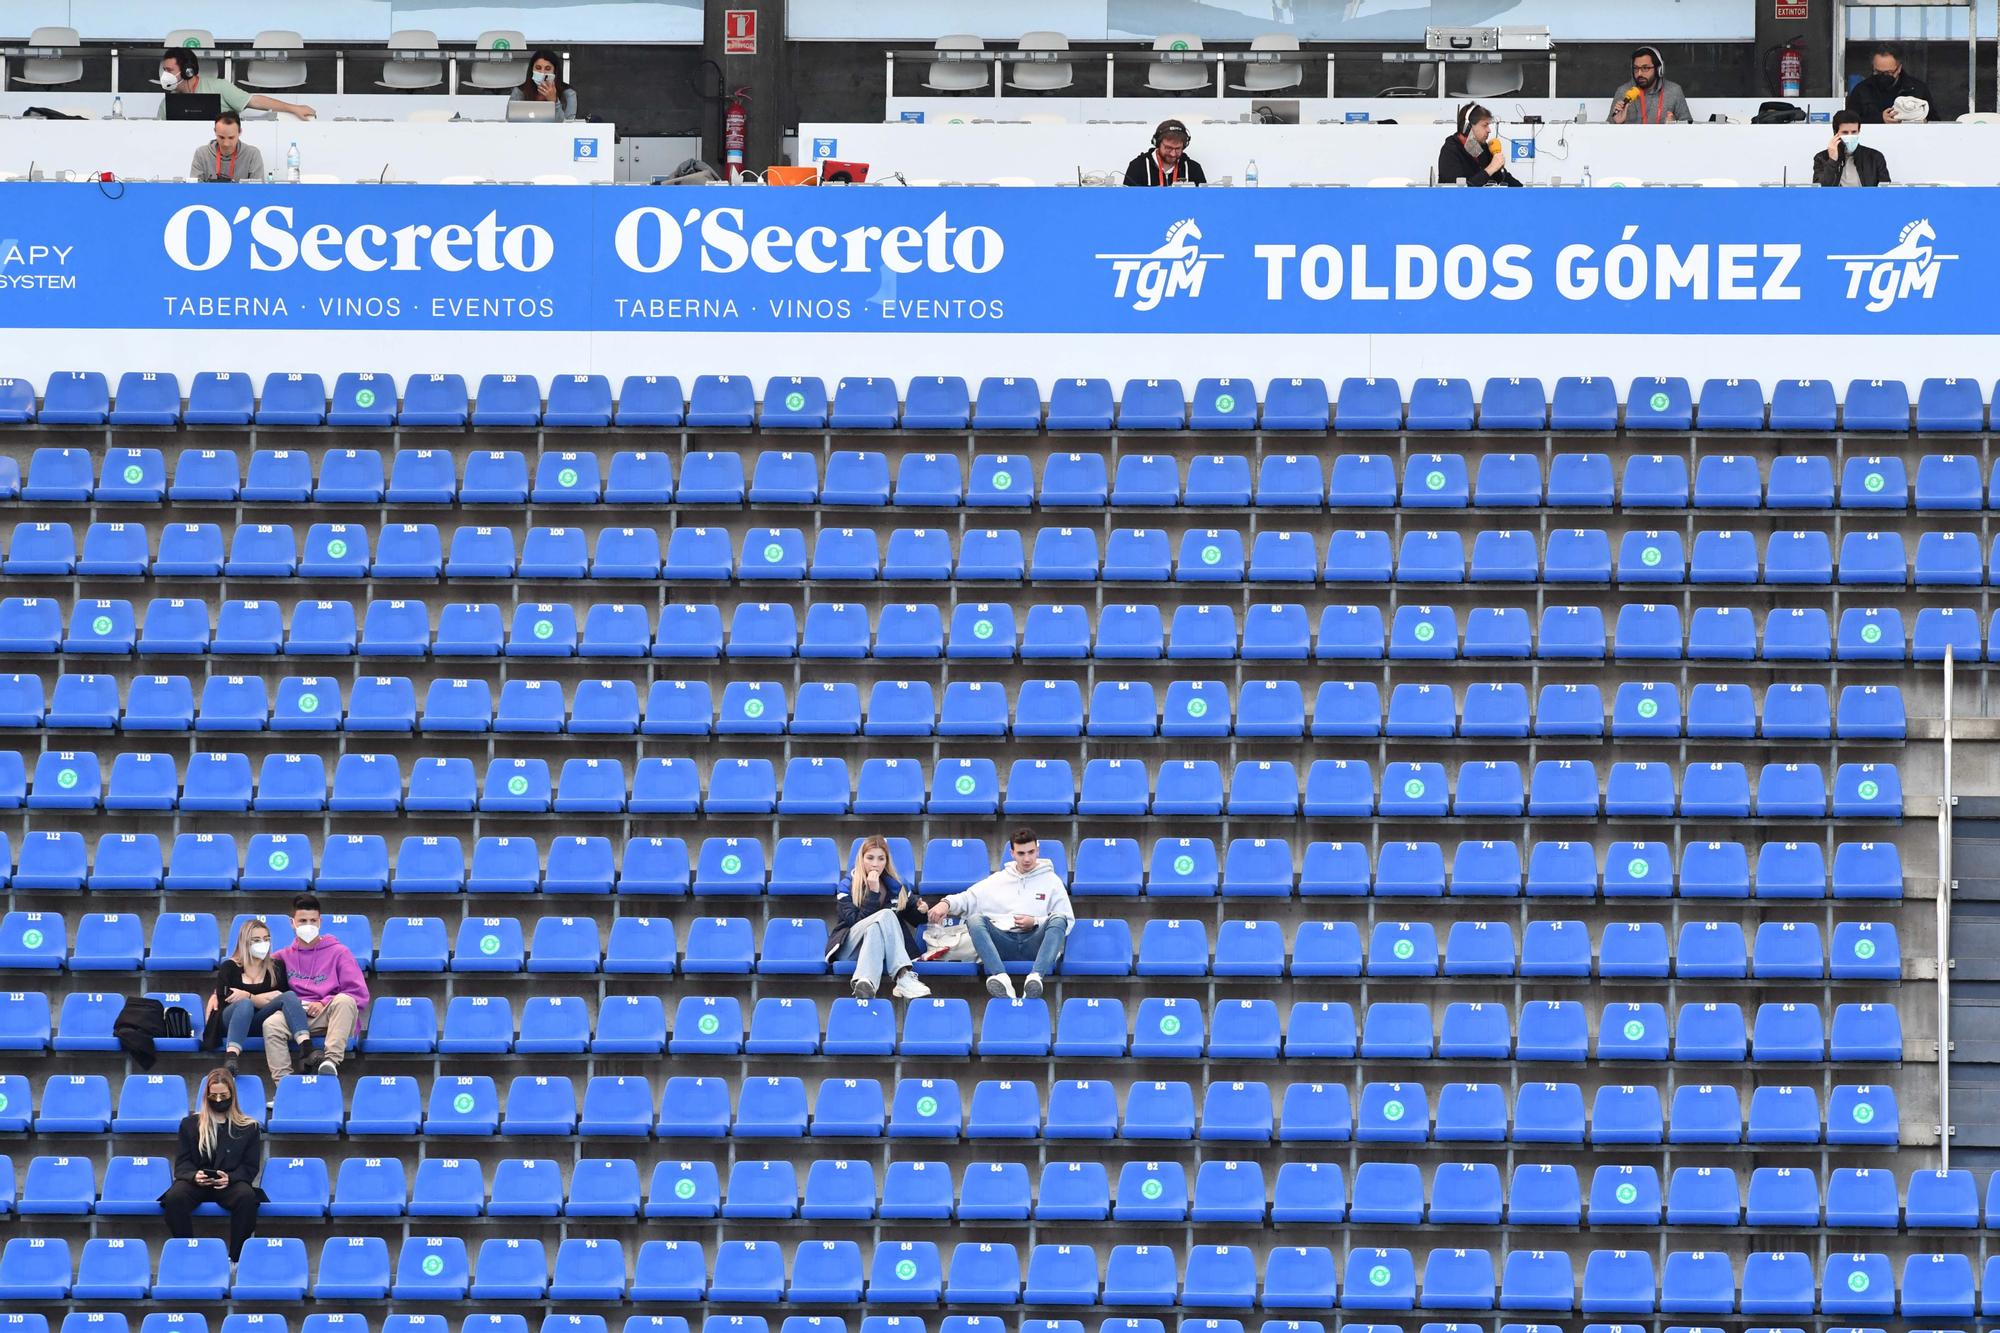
[(1631, 94)]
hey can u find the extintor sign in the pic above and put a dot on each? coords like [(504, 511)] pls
[(1792, 9), (739, 32)]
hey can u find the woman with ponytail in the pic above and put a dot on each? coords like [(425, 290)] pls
[(221, 1150), (874, 917)]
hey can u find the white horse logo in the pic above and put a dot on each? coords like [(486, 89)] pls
[(1909, 268), (1176, 266)]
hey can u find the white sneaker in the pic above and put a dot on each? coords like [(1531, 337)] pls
[(1032, 986), (908, 987), (1000, 986), (862, 989)]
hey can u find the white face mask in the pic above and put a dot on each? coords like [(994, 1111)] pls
[(260, 949), (307, 933), (542, 76), (169, 80), (1850, 141)]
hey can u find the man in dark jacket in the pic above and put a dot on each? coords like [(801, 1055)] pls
[(1472, 154), (1845, 161), (1166, 162), (1874, 98)]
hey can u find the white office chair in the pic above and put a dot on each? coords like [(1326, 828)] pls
[(1979, 118), (958, 76), (1042, 76), (408, 75), (1496, 80), (275, 74), (49, 71), (1177, 76), (1276, 76), (1425, 86), (190, 39), (498, 74)]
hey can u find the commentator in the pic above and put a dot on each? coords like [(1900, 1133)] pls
[(1874, 98), (1649, 97), (1472, 153), (226, 157), (180, 72), (1166, 162), (544, 83), (1846, 161)]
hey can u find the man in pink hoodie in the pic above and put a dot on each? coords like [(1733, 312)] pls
[(327, 980)]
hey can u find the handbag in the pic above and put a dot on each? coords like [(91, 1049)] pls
[(948, 944)]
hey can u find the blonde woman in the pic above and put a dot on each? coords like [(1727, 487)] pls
[(251, 986), (220, 1152), (874, 916)]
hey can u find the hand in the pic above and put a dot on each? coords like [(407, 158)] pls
[(1667, 119), (1618, 112), (939, 910), (874, 881), (1888, 115), (235, 993), (218, 1179), (201, 1177), (305, 113), (1023, 922), (1495, 164), (314, 1008), (1833, 148)]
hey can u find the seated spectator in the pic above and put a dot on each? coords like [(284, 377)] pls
[(1472, 154), (1648, 97), (1166, 162), (1019, 911), (226, 157), (220, 1152), (251, 988), (875, 917), (180, 72), (329, 985), (544, 83), (1874, 98), (1846, 160)]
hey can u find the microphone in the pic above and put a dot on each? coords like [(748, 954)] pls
[(1631, 94)]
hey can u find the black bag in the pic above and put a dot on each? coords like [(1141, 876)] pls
[(1778, 113), (141, 1023)]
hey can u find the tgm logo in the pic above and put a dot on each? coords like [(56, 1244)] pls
[(1909, 268), (198, 238), (1176, 267)]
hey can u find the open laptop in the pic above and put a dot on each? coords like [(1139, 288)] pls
[(531, 111), (194, 106)]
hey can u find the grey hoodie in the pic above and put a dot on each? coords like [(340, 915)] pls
[(1006, 893)]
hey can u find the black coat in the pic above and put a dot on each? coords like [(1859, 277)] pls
[(239, 1151), (1460, 160), (230, 977), (1870, 165), (848, 914), (1145, 170), (1868, 102)]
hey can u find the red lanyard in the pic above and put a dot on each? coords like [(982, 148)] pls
[(1660, 115)]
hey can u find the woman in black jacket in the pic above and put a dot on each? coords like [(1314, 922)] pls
[(220, 1153), (875, 916), (250, 986), (1471, 154)]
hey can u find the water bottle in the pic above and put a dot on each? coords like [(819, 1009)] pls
[(118, 108), (1586, 178), (292, 163), (1250, 174), (1582, 112)]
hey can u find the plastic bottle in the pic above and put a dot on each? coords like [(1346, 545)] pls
[(1250, 174), (1582, 113), (292, 163), (118, 108), (1586, 178)]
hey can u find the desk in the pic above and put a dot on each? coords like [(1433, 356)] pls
[(349, 150), (1357, 154)]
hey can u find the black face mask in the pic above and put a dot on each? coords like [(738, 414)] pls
[(1884, 81), (219, 1103)]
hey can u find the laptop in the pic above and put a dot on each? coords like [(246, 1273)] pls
[(531, 111), (194, 106), (850, 173)]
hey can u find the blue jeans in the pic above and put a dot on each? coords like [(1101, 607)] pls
[(996, 948), (240, 1016), (876, 945)]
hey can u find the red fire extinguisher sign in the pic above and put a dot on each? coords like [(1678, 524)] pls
[(1791, 9), (739, 32)]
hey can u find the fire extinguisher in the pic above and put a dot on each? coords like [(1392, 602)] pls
[(735, 128), (1791, 68)]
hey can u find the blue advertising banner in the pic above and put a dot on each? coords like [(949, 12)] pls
[(1033, 261)]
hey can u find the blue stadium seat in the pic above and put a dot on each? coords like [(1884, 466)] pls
[(1800, 481), (105, 627)]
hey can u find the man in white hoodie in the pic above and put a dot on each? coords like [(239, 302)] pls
[(1019, 911)]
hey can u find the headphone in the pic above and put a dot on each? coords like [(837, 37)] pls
[(1659, 62), (190, 64), (1172, 129), (1469, 113)]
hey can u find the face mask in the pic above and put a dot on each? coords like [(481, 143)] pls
[(542, 76), (1850, 141), (220, 1102), (169, 80), (261, 949), (307, 934), (1883, 81)]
